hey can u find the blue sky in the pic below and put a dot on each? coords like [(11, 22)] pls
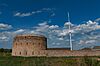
[(80, 11), (23, 16)]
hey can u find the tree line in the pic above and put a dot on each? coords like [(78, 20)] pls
[(5, 50)]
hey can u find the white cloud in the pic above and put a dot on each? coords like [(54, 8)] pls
[(3, 38), (42, 24), (79, 33), (5, 26), (53, 26), (89, 26), (23, 14), (97, 20), (19, 14), (19, 31), (60, 38), (38, 11), (63, 32), (87, 34), (90, 41), (48, 9), (68, 23), (53, 14), (42, 27)]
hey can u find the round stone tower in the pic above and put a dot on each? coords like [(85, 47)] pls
[(29, 45)]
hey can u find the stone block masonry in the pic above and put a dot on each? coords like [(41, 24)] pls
[(36, 45)]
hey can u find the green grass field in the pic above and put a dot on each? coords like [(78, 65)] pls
[(7, 60)]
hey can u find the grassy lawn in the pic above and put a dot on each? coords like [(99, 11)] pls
[(7, 60)]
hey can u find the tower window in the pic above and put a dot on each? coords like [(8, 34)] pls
[(33, 53), (20, 53), (16, 43), (25, 52), (25, 36), (39, 43), (21, 43), (27, 43)]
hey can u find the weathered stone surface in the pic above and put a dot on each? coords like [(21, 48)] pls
[(30, 45)]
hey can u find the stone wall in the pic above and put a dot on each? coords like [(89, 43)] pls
[(73, 53), (29, 45)]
